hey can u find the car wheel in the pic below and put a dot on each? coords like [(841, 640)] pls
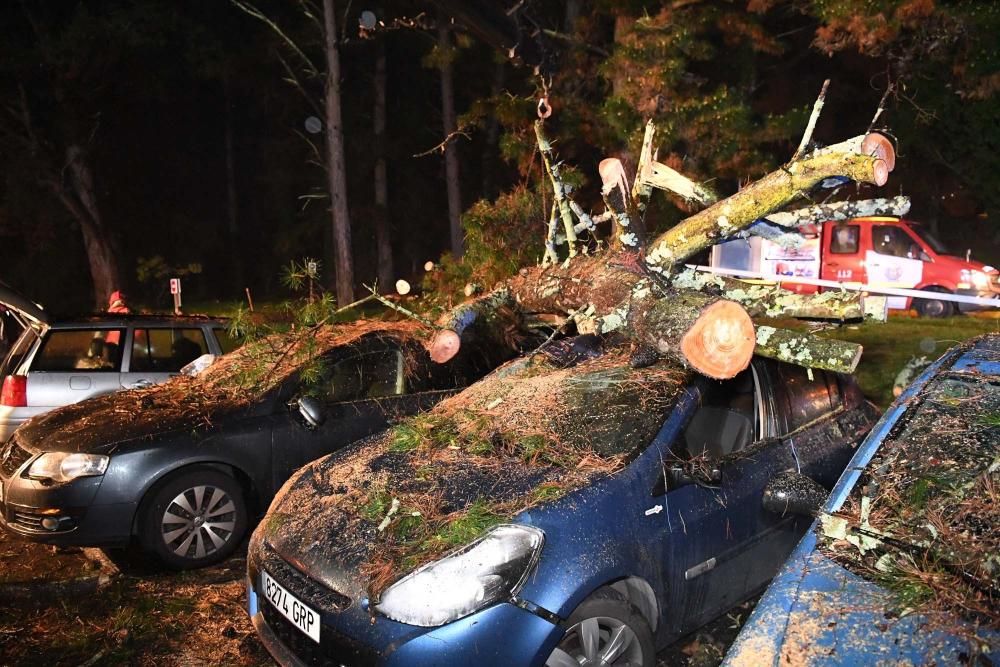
[(196, 518), (934, 307), (605, 630)]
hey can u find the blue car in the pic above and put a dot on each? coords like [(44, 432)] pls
[(874, 581), (465, 537)]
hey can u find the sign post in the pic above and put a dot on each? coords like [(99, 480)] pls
[(175, 289)]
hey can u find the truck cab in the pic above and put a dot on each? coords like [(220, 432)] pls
[(878, 251)]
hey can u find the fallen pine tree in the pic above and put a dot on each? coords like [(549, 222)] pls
[(640, 286)]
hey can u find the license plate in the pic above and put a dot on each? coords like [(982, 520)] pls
[(301, 615)]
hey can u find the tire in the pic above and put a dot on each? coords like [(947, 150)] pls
[(605, 630), (934, 307), (187, 523)]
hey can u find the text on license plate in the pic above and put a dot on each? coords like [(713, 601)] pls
[(301, 615)]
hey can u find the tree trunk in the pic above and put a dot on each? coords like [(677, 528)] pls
[(232, 203), (80, 199), (336, 169), (450, 150), (383, 239), (807, 350)]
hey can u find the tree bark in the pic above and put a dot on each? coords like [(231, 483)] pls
[(383, 238), (558, 189), (79, 197), (804, 349), (450, 150), (840, 211), (733, 214), (336, 169)]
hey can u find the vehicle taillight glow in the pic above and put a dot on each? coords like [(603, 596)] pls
[(15, 391)]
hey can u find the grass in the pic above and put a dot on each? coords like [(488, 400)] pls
[(889, 345)]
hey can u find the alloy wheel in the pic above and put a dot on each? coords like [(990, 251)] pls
[(198, 521), (598, 642)]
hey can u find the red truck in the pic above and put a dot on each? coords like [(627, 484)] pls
[(875, 251)]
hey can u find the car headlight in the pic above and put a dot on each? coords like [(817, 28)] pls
[(491, 569), (980, 279), (64, 466)]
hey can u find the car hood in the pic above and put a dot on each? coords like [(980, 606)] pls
[(103, 424), (817, 612), (532, 432), (21, 304), (310, 522)]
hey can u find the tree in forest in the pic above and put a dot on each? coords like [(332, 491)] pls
[(304, 73), (58, 69)]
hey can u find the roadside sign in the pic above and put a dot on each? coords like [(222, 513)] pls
[(175, 289)]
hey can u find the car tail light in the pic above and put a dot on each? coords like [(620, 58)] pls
[(15, 391)]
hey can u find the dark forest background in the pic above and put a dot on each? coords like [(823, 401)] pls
[(171, 130)]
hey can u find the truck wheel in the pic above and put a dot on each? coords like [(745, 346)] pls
[(196, 518), (605, 630), (934, 307)]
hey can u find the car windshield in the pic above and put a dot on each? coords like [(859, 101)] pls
[(928, 238), (921, 521)]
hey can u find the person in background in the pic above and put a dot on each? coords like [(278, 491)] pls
[(116, 304)]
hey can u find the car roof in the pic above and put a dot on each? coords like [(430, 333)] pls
[(815, 606), (123, 319)]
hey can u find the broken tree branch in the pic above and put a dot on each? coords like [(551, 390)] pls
[(841, 210), (559, 189), (731, 215), (807, 350), (811, 125), (662, 177)]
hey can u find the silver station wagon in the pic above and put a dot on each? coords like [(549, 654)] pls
[(57, 362)]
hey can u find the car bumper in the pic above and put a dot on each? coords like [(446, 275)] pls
[(63, 514), (980, 294), (501, 635)]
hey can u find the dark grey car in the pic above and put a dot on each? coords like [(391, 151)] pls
[(184, 472)]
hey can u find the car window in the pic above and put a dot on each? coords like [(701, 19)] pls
[(226, 342), (22, 346), (369, 375), (165, 350), (803, 399), (892, 240), (72, 349), (844, 240), (727, 418)]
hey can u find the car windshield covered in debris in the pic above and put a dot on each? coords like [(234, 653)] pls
[(903, 565), (185, 467), (572, 506)]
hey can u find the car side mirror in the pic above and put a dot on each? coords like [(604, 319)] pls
[(311, 411), (793, 493)]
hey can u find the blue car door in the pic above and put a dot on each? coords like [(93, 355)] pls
[(711, 499)]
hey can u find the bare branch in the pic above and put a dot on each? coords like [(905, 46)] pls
[(811, 125)]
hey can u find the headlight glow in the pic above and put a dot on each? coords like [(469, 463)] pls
[(65, 467), (491, 569), (980, 279)]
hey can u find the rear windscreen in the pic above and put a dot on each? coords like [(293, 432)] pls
[(76, 349)]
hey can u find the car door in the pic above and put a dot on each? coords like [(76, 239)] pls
[(72, 364), (843, 253), (157, 353), (723, 544), (360, 395)]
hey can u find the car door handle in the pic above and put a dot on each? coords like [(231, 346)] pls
[(139, 384)]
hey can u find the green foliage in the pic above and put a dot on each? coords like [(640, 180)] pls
[(478, 518), (156, 268)]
